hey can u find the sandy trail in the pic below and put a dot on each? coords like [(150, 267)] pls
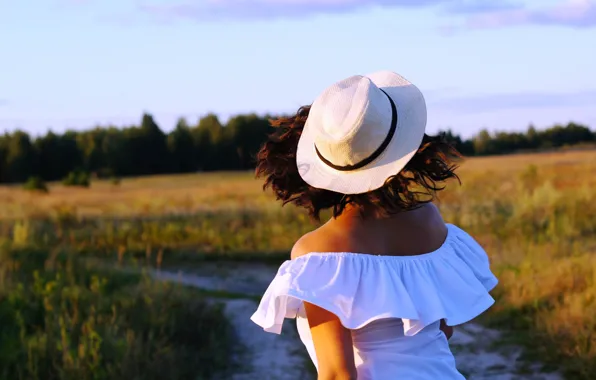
[(270, 356)]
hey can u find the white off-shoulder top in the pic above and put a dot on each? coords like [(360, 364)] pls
[(392, 304)]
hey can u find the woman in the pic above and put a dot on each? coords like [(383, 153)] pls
[(376, 289)]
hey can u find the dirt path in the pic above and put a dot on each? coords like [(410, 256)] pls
[(268, 356), (263, 355)]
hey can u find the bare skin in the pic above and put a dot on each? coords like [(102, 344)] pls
[(406, 234)]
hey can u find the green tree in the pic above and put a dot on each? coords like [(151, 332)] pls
[(532, 137), (115, 148), (57, 155), (246, 134), (483, 143), (3, 155), (20, 160), (181, 148), (145, 149), (90, 145), (208, 138)]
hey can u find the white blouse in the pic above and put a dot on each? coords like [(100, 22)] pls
[(392, 304)]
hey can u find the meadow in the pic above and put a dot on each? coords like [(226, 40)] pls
[(62, 318), (534, 213)]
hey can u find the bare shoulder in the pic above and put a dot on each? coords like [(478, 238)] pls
[(436, 213), (304, 245), (315, 241), (422, 230)]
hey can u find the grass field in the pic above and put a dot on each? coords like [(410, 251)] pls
[(534, 213), (61, 318)]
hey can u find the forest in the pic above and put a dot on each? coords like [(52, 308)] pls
[(208, 145)]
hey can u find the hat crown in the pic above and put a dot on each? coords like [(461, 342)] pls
[(352, 119), (361, 131)]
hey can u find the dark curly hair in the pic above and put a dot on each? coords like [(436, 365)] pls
[(416, 184)]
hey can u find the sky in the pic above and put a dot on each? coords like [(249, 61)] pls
[(500, 65)]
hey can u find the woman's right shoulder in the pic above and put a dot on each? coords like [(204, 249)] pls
[(304, 245), (318, 240)]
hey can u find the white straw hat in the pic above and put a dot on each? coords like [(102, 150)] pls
[(361, 131)]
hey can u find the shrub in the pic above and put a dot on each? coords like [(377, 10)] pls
[(60, 319), (77, 178), (35, 184), (115, 181)]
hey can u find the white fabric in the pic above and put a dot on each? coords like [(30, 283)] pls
[(349, 121), (393, 304)]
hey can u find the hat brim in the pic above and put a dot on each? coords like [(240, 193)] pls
[(411, 125)]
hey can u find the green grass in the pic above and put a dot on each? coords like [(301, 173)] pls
[(534, 214), (223, 232), (63, 319)]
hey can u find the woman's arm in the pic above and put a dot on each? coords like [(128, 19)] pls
[(448, 330), (333, 344)]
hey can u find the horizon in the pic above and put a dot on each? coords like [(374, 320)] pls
[(223, 122), (499, 67)]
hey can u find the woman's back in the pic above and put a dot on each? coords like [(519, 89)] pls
[(393, 305), (382, 351), (376, 289), (410, 233)]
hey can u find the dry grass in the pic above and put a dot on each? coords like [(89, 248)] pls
[(534, 213), (215, 191), (138, 196)]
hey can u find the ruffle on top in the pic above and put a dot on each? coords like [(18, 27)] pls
[(451, 283)]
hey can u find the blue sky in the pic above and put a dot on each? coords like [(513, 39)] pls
[(480, 63)]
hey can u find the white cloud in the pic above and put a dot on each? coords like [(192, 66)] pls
[(497, 102), (572, 13), (211, 10)]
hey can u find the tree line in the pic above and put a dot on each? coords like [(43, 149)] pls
[(208, 145)]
